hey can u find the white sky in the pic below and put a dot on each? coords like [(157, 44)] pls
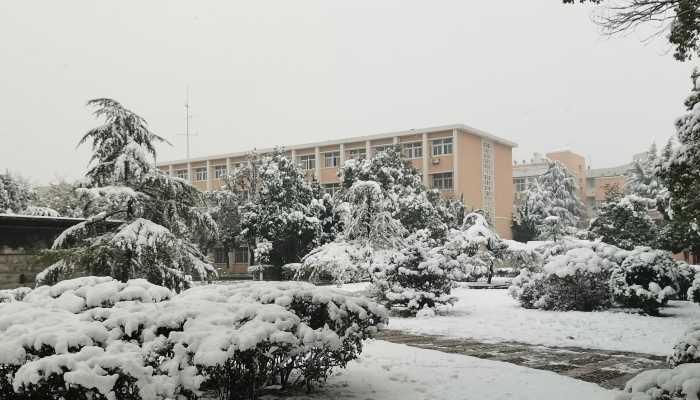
[(265, 73)]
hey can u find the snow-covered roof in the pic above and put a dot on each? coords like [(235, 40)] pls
[(612, 171), (459, 127)]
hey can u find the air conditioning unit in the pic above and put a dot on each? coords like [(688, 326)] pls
[(436, 161)]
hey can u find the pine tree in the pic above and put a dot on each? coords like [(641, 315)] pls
[(642, 180), (552, 194), (15, 193), (62, 197), (624, 221), (140, 221), (679, 170)]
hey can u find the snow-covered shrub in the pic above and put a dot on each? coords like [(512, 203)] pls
[(340, 261), (576, 280), (40, 212), (416, 277), (679, 383), (687, 348), (694, 290), (97, 338), (685, 276), (527, 288), (644, 280)]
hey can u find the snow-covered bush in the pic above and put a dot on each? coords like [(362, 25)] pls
[(97, 338), (340, 261), (694, 290), (416, 277), (575, 280), (527, 288), (685, 276), (679, 383), (687, 348), (40, 212), (644, 280)]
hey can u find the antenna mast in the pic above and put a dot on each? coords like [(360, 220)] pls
[(188, 134)]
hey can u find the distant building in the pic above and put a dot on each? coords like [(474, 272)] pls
[(591, 182), (460, 161)]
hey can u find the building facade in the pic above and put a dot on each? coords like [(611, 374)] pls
[(460, 161)]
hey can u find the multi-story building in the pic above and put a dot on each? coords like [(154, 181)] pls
[(460, 161), (592, 183)]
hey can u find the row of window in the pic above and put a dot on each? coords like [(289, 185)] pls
[(411, 150), (331, 159)]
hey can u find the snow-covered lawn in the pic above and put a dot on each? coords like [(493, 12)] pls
[(388, 371), (492, 315)]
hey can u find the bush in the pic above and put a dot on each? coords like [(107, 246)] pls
[(98, 338), (575, 280), (685, 276), (679, 383), (687, 349), (645, 280), (527, 288), (417, 277)]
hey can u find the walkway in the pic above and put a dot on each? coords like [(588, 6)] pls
[(609, 369)]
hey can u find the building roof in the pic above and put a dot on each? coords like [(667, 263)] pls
[(612, 171), (459, 127)]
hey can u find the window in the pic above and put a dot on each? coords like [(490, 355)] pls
[(442, 146), (331, 160), (442, 181), (220, 171), (200, 174), (181, 173), (240, 255), (380, 148), (413, 150), (357, 154), (520, 184), (308, 161), (331, 188), (220, 256)]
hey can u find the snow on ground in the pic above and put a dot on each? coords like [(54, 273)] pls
[(388, 371), (493, 316)]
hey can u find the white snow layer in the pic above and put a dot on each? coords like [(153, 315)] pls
[(492, 315), (388, 371)]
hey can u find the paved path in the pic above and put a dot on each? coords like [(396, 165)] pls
[(609, 369)]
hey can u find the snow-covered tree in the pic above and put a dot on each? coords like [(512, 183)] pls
[(410, 202), (370, 235), (624, 222), (279, 209), (416, 279), (552, 194), (140, 221), (679, 171), (15, 193), (369, 219), (642, 180), (61, 196)]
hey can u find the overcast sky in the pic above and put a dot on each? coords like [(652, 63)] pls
[(265, 73)]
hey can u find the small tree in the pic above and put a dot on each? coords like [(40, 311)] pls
[(61, 196), (624, 222), (141, 221), (15, 193)]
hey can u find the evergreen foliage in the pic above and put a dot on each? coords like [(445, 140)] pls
[(624, 222), (279, 210), (15, 193), (679, 171), (140, 221)]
